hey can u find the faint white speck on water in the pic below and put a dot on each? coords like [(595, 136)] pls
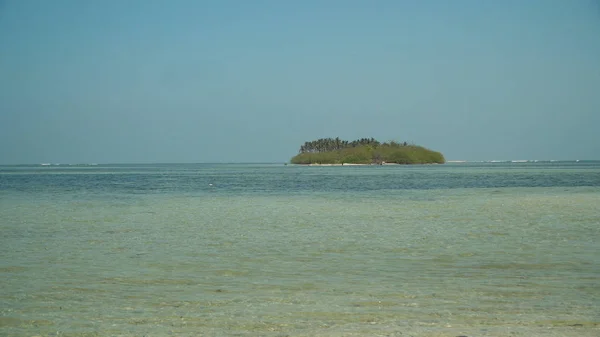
[(486, 249)]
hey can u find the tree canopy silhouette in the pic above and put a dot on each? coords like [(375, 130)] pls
[(364, 151)]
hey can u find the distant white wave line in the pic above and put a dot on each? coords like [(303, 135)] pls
[(58, 164), (511, 161)]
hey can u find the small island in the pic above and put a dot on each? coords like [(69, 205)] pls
[(364, 151)]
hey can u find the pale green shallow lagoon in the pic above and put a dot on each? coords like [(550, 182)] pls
[(268, 250)]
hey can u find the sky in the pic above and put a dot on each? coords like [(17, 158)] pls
[(157, 81)]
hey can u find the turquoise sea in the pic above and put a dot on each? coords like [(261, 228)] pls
[(466, 249)]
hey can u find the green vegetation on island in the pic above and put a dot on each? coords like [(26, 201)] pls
[(364, 151)]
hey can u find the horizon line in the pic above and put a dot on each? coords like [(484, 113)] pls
[(451, 161)]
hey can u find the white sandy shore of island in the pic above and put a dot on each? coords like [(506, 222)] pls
[(349, 164)]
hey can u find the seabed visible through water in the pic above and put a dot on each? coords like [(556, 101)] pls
[(270, 250)]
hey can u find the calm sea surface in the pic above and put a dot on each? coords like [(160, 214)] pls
[(471, 249)]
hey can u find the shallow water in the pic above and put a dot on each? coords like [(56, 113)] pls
[(271, 250)]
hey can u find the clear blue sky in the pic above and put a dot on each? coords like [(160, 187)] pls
[(111, 81)]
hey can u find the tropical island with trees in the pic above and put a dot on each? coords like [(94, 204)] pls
[(364, 151)]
